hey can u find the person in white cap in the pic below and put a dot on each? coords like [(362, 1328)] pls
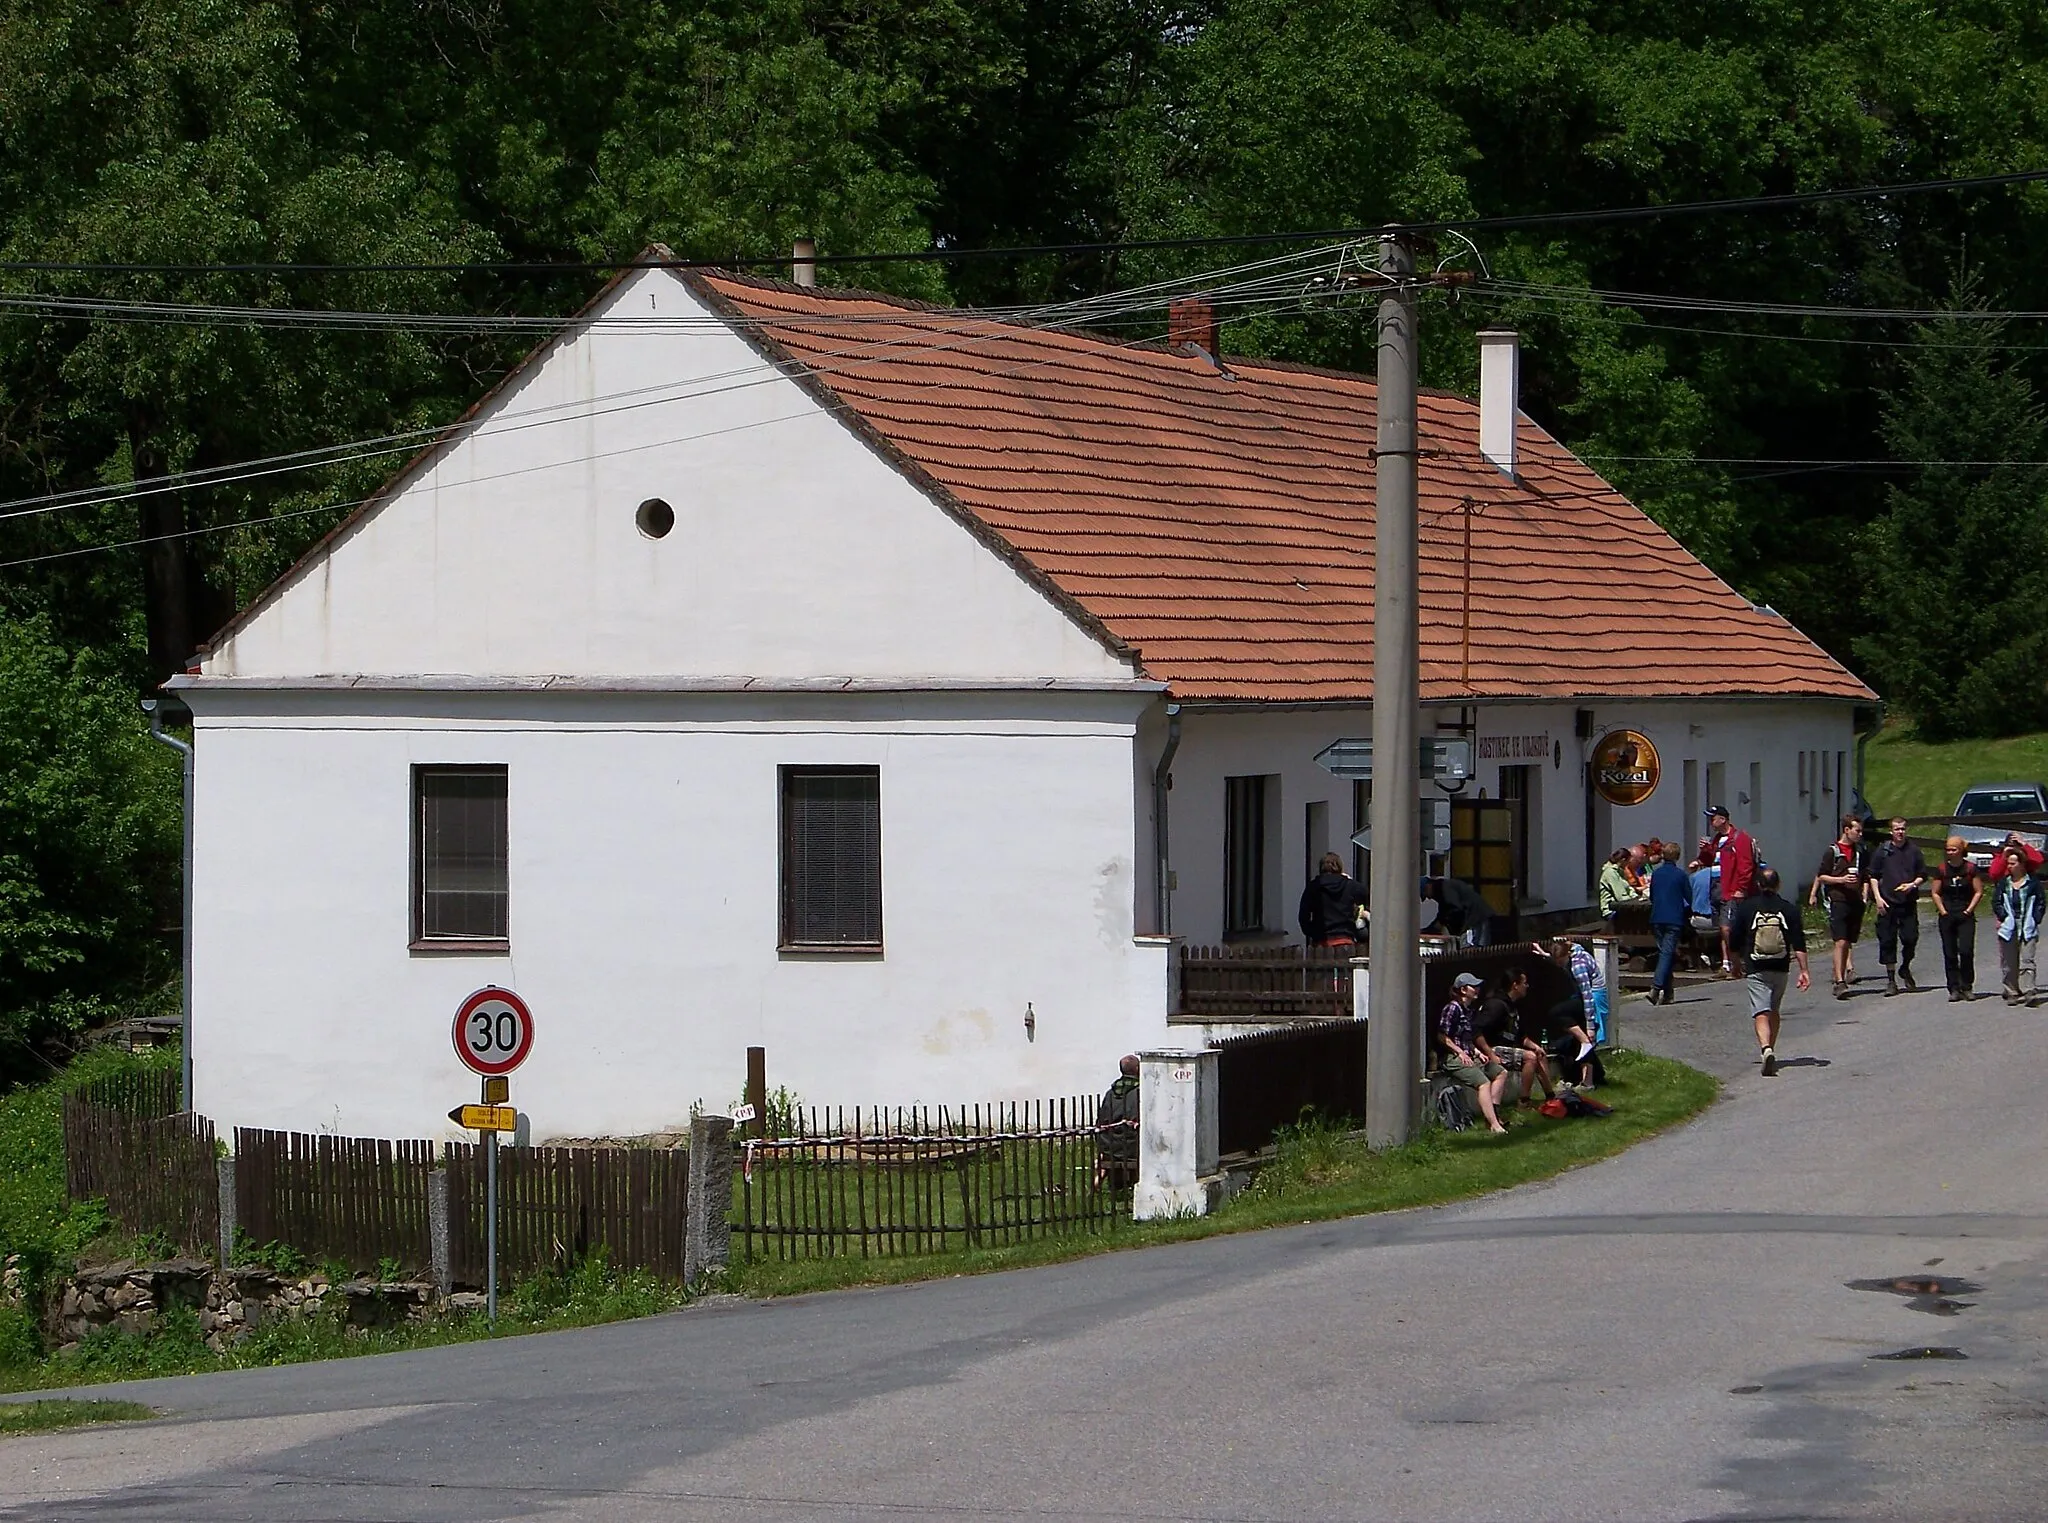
[(1466, 1057)]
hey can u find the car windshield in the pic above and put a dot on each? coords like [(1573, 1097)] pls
[(2003, 802)]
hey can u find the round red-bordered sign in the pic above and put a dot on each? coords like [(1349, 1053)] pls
[(493, 1031)]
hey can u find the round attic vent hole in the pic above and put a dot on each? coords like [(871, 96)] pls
[(655, 518)]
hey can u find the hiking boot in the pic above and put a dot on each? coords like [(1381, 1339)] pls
[(1955, 996), (1891, 984), (1906, 978), (1842, 989), (1770, 1062)]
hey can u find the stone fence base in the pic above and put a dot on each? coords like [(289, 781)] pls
[(230, 1304)]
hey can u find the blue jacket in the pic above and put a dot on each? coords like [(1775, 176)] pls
[(2018, 907), (1670, 894), (1705, 891)]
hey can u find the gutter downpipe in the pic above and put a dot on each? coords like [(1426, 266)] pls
[(1161, 777), (154, 709)]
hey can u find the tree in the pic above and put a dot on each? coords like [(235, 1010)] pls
[(90, 832), (1960, 573)]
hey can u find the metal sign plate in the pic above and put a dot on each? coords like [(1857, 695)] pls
[(493, 1031), (486, 1118)]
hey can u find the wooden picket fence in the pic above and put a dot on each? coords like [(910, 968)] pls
[(156, 1171), (350, 1200), (1266, 983), (560, 1205)]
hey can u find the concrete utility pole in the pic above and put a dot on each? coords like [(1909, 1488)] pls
[(1394, 1036)]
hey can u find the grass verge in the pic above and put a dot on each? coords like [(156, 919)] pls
[(1319, 1175), (47, 1416), (1913, 777)]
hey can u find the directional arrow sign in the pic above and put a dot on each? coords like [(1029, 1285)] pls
[(1347, 758), (486, 1118), (1443, 761)]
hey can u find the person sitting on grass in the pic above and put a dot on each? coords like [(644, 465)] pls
[(1501, 1023), (1465, 1055)]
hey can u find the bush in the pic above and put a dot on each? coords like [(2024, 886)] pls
[(21, 1345)]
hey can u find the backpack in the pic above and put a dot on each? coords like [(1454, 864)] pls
[(1770, 937), (1451, 1114)]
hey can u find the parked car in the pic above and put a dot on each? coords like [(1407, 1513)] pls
[(1998, 799)]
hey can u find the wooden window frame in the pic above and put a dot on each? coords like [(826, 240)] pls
[(785, 942), (420, 942)]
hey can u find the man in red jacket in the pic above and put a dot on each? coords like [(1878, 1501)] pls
[(1736, 858)]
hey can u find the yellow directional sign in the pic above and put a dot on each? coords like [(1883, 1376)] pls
[(486, 1118)]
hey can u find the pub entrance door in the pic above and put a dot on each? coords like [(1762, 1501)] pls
[(1486, 848)]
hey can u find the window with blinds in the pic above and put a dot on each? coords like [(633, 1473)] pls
[(832, 857), (460, 884), (1244, 854)]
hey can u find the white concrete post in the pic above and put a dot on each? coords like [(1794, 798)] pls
[(1176, 1134), (1361, 988)]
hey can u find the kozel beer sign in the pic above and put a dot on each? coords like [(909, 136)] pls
[(1625, 767)]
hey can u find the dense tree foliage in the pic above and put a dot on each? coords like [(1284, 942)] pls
[(410, 133), (89, 842), (1960, 569)]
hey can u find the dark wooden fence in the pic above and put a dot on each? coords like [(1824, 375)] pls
[(559, 1205), (925, 1179), (1269, 1079), (155, 1170), (360, 1201), (1266, 983)]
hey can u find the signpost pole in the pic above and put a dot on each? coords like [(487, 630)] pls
[(1394, 1031), (491, 1226)]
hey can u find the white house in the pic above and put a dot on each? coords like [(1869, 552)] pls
[(770, 666)]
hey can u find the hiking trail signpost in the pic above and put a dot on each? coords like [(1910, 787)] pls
[(493, 1033)]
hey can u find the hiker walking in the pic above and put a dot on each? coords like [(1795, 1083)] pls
[(1958, 888), (1897, 874), (1767, 935), (1670, 901), (1735, 856), (2017, 904), (1841, 878)]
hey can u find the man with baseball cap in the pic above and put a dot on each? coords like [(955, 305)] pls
[(1736, 857), (1466, 1057)]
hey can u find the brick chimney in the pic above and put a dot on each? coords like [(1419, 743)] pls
[(1191, 323)]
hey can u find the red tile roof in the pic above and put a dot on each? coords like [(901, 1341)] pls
[(1220, 522)]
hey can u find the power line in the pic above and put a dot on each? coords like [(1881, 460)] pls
[(835, 405), (1591, 215), (959, 326)]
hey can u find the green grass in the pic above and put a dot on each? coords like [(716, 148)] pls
[(1912, 777), (1319, 1176), (46, 1416)]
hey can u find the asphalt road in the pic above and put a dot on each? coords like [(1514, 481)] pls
[(1666, 1335)]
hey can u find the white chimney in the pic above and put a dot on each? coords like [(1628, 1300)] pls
[(1500, 394), (803, 266)]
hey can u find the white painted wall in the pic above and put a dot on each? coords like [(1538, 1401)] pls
[(797, 551), (1791, 828), (643, 835)]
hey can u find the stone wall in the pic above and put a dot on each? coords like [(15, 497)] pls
[(131, 1296)]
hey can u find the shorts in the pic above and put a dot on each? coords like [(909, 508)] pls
[(1766, 989), (1724, 913), (1845, 919), (1471, 1075)]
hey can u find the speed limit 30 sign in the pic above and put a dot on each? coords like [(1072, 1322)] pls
[(493, 1031)]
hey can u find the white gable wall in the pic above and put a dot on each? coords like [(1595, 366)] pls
[(797, 551)]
